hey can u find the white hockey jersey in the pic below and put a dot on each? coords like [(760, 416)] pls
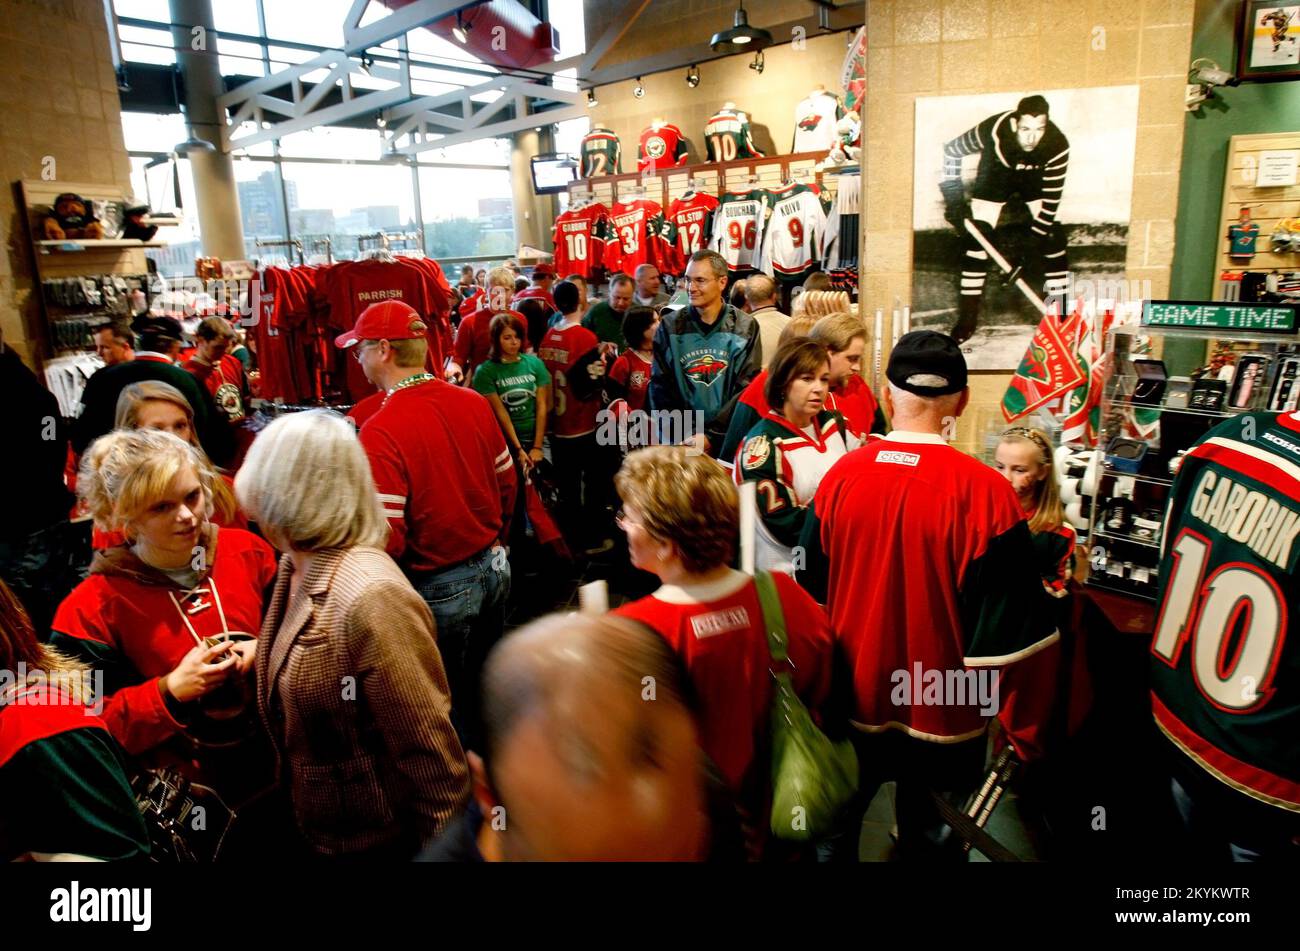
[(814, 122), (796, 228), (738, 229)]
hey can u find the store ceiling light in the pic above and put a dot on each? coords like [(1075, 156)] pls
[(193, 144), (693, 76), (638, 90), (461, 29), (757, 64), (591, 99), (741, 36)]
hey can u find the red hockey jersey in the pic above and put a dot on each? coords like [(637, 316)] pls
[(567, 352), (691, 218), (951, 587), (638, 235), (717, 630), (579, 240), (661, 146), (130, 620)]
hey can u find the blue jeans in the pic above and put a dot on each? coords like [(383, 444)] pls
[(468, 602)]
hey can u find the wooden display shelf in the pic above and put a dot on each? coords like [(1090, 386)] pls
[(71, 245)]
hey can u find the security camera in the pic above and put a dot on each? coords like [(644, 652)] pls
[(1206, 72)]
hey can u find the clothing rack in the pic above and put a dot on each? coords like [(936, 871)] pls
[(329, 248), (280, 243), (388, 240)]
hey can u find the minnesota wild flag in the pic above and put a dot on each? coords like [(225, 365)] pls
[(1048, 369)]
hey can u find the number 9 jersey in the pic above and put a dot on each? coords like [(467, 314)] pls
[(1225, 684)]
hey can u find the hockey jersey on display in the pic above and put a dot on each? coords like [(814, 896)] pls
[(691, 217), (639, 234), (728, 136), (579, 240), (661, 146), (814, 122), (794, 234), (601, 153), (1225, 666), (738, 229)]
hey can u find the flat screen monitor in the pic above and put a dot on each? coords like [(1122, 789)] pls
[(553, 173)]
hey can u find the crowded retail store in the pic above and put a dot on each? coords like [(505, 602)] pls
[(783, 431)]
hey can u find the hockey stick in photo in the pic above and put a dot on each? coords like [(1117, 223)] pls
[(1012, 273), (995, 784)]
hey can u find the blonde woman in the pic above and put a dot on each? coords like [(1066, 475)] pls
[(152, 404), (350, 683), (170, 614), (1024, 457)]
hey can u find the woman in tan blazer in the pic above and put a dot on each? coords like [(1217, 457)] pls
[(350, 683)]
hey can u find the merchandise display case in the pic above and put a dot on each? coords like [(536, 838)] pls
[(1151, 414)]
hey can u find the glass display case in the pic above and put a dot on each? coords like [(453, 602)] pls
[(1167, 387)]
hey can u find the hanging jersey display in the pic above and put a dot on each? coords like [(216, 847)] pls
[(1242, 239), (814, 122), (1226, 649), (639, 235), (691, 217), (579, 240), (729, 137), (738, 229), (601, 153), (794, 235), (661, 146)]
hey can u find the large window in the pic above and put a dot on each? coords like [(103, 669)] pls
[(330, 182)]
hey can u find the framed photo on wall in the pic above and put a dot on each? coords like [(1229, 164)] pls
[(1268, 40)]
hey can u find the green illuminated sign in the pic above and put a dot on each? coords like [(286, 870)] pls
[(1220, 315)]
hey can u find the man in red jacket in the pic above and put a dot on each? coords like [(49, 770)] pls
[(447, 484)]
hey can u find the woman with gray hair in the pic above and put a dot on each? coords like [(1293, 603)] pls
[(350, 683)]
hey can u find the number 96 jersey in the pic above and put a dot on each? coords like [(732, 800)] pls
[(738, 229), (1226, 653)]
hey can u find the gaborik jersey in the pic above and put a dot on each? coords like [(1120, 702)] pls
[(738, 229), (638, 235), (728, 137), (795, 230), (601, 153), (579, 240), (692, 218), (1225, 686), (660, 147)]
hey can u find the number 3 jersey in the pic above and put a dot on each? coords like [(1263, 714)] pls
[(738, 229), (1225, 684), (639, 234), (796, 228)]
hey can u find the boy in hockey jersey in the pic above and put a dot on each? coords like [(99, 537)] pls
[(1225, 665), (950, 594), (571, 353), (705, 356)]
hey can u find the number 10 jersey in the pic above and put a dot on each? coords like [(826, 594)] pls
[(1225, 683)]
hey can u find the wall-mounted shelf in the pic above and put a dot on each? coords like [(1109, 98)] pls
[(71, 245)]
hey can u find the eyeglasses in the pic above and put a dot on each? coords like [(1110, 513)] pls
[(701, 281), (356, 352)]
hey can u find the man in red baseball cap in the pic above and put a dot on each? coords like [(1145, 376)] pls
[(447, 484)]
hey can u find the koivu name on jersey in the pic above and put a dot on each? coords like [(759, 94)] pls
[(1248, 516)]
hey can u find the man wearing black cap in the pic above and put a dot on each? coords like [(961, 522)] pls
[(938, 618), (157, 337)]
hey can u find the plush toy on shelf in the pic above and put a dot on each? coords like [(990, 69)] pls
[(73, 217), (137, 225)]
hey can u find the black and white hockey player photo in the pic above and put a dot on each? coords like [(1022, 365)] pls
[(1276, 36), (1017, 196)]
